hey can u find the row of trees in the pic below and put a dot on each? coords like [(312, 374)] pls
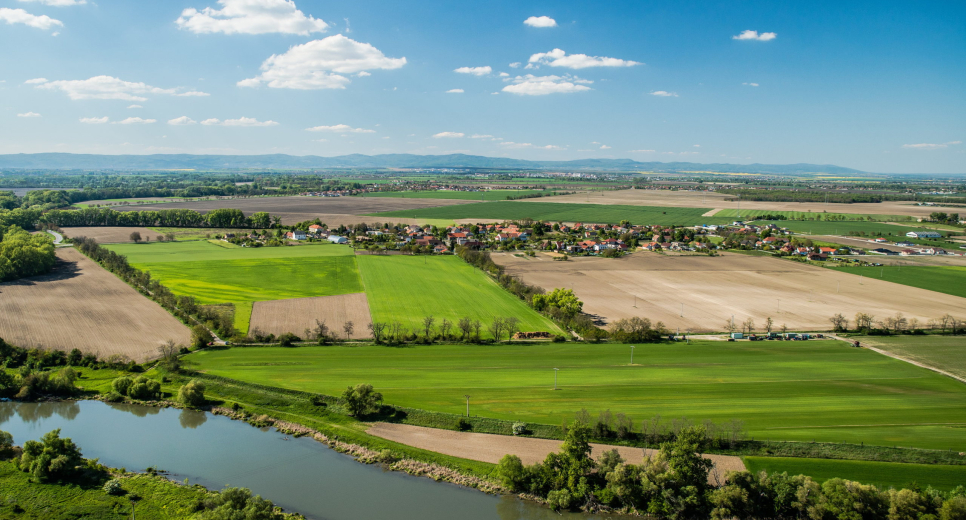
[(23, 254), (896, 324), (430, 330), (219, 218)]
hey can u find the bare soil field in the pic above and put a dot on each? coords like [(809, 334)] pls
[(81, 305), (331, 210), (491, 448), (297, 314), (700, 199), (713, 289), (109, 235)]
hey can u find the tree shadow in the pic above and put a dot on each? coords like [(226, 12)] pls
[(63, 270)]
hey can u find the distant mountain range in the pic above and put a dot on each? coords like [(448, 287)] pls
[(68, 161)]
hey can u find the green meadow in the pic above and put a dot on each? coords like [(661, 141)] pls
[(406, 289), (944, 279), (748, 214), (881, 474), (456, 195), (944, 352), (241, 276), (797, 391), (562, 212), (843, 228)]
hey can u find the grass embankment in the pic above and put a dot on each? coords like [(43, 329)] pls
[(943, 352), (562, 212), (159, 498), (881, 474), (457, 195), (408, 288), (944, 279), (790, 391), (241, 276)]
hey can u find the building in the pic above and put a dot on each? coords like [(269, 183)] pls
[(335, 239), (298, 234), (923, 234)]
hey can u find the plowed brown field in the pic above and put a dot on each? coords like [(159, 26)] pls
[(297, 314), (81, 305), (712, 289), (109, 235)]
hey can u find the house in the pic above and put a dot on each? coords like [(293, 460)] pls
[(882, 251), (298, 234), (315, 228), (923, 234), (336, 239), (907, 252), (881, 240), (827, 250), (818, 257)]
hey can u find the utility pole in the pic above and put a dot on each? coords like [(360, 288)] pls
[(467, 405), (555, 378), (632, 354)]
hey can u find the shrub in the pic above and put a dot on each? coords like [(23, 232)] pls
[(520, 428), (113, 397), (287, 339), (192, 394), (234, 503), (113, 487), (6, 445), (52, 458), (463, 425), (511, 472), (200, 336), (559, 338), (361, 399), (144, 389), (559, 499)]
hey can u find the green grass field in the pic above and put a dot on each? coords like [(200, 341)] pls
[(408, 288), (944, 279), (882, 474), (457, 195), (802, 391), (818, 227), (562, 212), (241, 276), (747, 214), (944, 352)]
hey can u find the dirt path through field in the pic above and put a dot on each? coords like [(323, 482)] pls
[(907, 360), (491, 448)]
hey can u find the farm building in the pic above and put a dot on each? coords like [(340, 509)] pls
[(923, 234), (296, 235), (335, 239)]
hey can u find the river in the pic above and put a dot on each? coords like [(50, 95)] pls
[(299, 474)]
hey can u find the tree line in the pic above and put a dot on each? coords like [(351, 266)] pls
[(23, 254), (896, 324), (218, 218)]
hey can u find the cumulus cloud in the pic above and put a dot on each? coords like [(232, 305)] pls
[(559, 58), (604, 147), (319, 64), (930, 146), (504, 75), (106, 87), (42, 22), (540, 21), (343, 129), (94, 120), (442, 135), (183, 120), (135, 106), (476, 71), (515, 64), (28, 114), (663, 93), (58, 3), (193, 93), (250, 17), (750, 84), (753, 35), (531, 85), (241, 121), (136, 121), (454, 91), (481, 136)]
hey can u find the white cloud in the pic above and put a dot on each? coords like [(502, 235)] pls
[(58, 3), (481, 136), (94, 120), (136, 121), (750, 84), (476, 71), (642, 151), (753, 35), (319, 64), (193, 93), (28, 114), (35, 81), (515, 64), (341, 129), (696, 145), (540, 21), (454, 91), (559, 58), (663, 93), (135, 106), (504, 75), (183, 120), (106, 87), (250, 17), (512, 145), (930, 146), (604, 147), (241, 121), (448, 134), (531, 85), (43, 22), (363, 74)]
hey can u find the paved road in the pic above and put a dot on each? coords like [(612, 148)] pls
[(58, 238)]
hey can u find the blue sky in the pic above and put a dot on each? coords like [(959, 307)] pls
[(879, 86)]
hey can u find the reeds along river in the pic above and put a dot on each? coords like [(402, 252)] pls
[(299, 474)]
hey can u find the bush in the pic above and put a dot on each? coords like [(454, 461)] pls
[(6, 445), (113, 397), (144, 389), (113, 487), (361, 399), (192, 394), (122, 384), (559, 499), (200, 336), (238, 503), (52, 458), (463, 425), (511, 472), (287, 339), (559, 338), (520, 428)]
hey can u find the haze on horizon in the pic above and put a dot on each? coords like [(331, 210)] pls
[(875, 86)]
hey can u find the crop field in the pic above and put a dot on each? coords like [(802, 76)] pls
[(450, 194), (703, 199), (944, 279), (944, 352), (122, 235), (241, 276), (406, 289), (802, 391), (130, 201), (81, 305), (547, 211), (881, 474), (818, 227), (297, 314), (713, 289)]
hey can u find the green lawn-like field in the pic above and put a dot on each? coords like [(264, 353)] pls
[(748, 214), (882, 474), (842, 228), (408, 288), (803, 391), (943, 352), (215, 274), (562, 212), (944, 279), (458, 195)]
